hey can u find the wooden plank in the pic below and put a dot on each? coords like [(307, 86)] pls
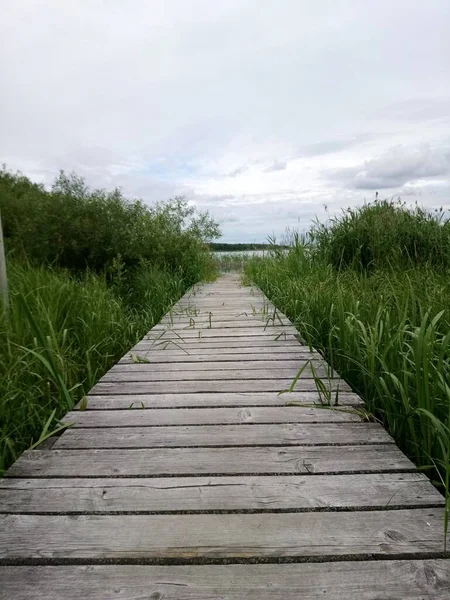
[(224, 435), (146, 495), (252, 300), (254, 306), (215, 350), (223, 286), (178, 374), (310, 460), (400, 533), (221, 319), (223, 314), (242, 385), (219, 359), (196, 323), (216, 319), (281, 344), (209, 416), (232, 301), (268, 334), (344, 580), (150, 401), (242, 365), (223, 293)]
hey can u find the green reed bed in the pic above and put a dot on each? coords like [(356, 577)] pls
[(381, 317), (89, 274)]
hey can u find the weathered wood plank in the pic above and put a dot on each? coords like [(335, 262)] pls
[(196, 300), (221, 292), (150, 401), (144, 373), (196, 323), (216, 357), (211, 461), (252, 306), (396, 490), (240, 385), (361, 580), (281, 345), (189, 307), (215, 349), (224, 317), (269, 333), (209, 416), (201, 323), (224, 435), (230, 365), (224, 314), (399, 533)]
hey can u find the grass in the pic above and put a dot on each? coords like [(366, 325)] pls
[(61, 335), (90, 272), (383, 323)]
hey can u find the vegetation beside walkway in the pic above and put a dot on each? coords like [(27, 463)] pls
[(90, 272), (370, 289)]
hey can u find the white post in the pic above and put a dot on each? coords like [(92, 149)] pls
[(3, 276)]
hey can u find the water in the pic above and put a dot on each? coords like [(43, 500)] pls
[(235, 261), (238, 253)]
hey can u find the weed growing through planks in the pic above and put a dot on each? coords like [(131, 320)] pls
[(83, 403), (137, 359), (296, 378), (140, 405)]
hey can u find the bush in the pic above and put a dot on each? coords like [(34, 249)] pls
[(76, 228), (370, 291), (382, 234), (90, 273)]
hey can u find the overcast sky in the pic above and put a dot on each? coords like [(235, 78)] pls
[(261, 111)]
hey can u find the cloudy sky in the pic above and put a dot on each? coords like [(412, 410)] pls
[(261, 111)]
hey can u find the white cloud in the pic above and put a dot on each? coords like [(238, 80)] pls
[(257, 111), (395, 168), (277, 165)]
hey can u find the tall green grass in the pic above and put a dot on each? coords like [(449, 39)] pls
[(384, 234), (383, 323), (61, 335), (89, 274)]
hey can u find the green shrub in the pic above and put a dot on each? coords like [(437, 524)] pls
[(383, 324), (382, 234), (76, 228), (89, 274)]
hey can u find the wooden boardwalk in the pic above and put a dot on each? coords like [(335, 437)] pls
[(188, 477)]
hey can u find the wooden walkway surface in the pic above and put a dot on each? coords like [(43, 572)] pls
[(188, 477)]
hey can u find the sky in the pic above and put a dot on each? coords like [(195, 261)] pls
[(266, 113)]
